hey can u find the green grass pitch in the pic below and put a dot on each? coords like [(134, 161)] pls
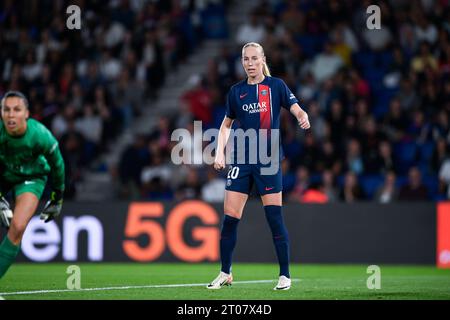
[(141, 281)]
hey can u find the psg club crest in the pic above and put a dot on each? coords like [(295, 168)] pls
[(264, 92)]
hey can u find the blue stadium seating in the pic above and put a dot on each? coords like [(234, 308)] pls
[(432, 183), (370, 184), (426, 151), (364, 59), (405, 153)]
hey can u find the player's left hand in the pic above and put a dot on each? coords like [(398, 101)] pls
[(53, 207), (303, 121)]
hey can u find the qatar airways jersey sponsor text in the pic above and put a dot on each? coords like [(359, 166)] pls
[(255, 107)]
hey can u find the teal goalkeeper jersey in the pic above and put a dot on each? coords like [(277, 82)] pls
[(34, 154)]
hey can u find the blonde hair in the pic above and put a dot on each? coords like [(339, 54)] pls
[(266, 70)]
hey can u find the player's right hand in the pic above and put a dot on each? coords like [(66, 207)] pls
[(303, 121), (6, 214), (53, 207), (219, 163)]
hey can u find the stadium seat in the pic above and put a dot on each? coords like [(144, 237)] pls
[(386, 59), (340, 180), (214, 22), (426, 151), (401, 181), (432, 184), (218, 114), (315, 178), (309, 44), (370, 184), (364, 59), (383, 97), (406, 154)]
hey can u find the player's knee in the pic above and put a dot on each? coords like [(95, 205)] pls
[(232, 212), (16, 230)]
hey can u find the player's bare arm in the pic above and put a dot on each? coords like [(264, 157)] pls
[(301, 116), (224, 134)]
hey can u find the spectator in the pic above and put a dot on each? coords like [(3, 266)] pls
[(341, 48), (329, 186), (308, 90), (131, 164), (60, 123), (354, 161), (156, 173), (344, 32), (251, 31), (329, 159), (326, 64), (301, 184), (425, 31), (351, 191), (314, 194), (407, 95), (198, 99), (414, 190), (213, 190), (439, 154), (386, 160), (191, 188), (424, 59), (444, 176), (371, 139), (377, 39), (90, 125), (408, 39), (318, 123), (288, 177), (388, 192), (310, 153), (161, 135), (72, 150), (394, 123)]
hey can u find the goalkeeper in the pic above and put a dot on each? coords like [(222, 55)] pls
[(28, 153)]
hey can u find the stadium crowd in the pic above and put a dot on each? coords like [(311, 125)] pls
[(88, 85), (378, 100)]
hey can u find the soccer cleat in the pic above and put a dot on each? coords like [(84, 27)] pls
[(284, 283), (223, 279)]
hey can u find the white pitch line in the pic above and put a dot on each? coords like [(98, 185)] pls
[(130, 287)]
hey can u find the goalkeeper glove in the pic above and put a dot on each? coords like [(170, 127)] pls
[(5, 213), (53, 207)]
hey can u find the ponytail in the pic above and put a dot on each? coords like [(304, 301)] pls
[(266, 70)]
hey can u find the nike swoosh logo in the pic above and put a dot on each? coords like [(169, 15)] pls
[(268, 189), (29, 182), (242, 96), (282, 288)]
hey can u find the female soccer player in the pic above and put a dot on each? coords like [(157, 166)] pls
[(28, 153), (256, 103)]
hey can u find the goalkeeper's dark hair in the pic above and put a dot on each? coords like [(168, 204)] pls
[(18, 94)]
